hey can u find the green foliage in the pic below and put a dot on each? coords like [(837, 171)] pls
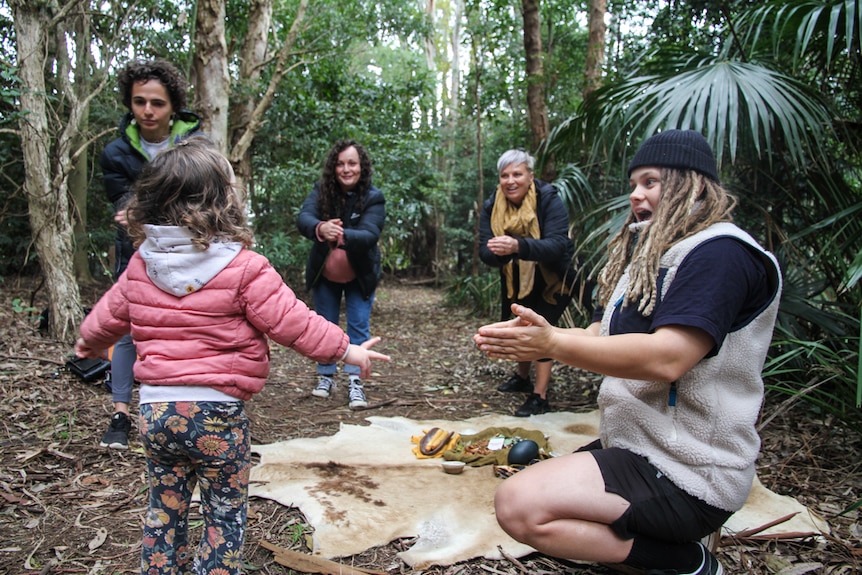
[(298, 533), (777, 125), (774, 85), (479, 294), (65, 426), (821, 373), (14, 223), (565, 41), (374, 93), (18, 306), (287, 253)]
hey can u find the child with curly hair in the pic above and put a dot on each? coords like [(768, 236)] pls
[(200, 306)]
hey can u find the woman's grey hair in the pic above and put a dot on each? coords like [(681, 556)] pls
[(515, 157)]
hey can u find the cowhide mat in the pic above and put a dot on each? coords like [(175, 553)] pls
[(363, 487)]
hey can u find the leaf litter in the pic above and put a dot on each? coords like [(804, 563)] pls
[(69, 506)]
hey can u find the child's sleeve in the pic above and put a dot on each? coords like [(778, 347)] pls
[(273, 308), (108, 321)]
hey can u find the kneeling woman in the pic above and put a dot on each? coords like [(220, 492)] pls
[(688, 303)]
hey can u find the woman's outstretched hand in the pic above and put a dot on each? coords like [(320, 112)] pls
[(527, 337), (362, 355)]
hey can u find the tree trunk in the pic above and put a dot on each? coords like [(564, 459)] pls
[(48, 203), (243, 136), (538, 111), (596, 47), (78, 195), (78, 178), (252, 57), (455, 107), (480, 193), (209, 71)]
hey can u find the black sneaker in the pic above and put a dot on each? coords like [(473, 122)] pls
[(534, 405), (117, 436), (516, 384), (709, 566)]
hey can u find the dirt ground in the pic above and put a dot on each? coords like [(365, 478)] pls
[(69, 506)]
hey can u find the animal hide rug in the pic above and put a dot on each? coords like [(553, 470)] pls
[(364, 487)]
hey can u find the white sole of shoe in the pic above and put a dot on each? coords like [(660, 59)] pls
[(119, 446), (320, 393)]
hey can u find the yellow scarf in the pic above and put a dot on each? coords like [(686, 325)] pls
[(521, 221)]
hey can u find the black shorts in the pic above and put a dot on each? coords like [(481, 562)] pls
[(657, 507)]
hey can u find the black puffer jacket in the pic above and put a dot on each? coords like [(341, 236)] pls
[(361, 234), (122, 160)]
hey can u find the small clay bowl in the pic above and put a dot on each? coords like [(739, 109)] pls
[(453, 467)]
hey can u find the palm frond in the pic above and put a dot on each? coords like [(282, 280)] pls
[(833, 24), (730, 102), (854, 272), (574, 188)]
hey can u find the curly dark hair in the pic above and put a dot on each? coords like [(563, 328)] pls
[(331, 198), (158, 69), (191, 185)]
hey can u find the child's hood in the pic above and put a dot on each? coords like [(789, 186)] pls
[(176, 265)]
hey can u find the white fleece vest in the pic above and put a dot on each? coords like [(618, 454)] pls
[(707, 443)]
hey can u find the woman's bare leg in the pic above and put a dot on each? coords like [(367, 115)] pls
[(560, 508)]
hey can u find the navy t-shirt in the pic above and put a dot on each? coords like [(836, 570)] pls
[(719, 287)]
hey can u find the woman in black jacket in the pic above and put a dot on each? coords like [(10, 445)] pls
[(154, 92), (523, 231), (344, 216)]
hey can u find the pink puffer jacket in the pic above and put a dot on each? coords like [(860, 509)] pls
[(216, 336)]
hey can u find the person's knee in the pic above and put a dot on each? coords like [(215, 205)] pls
[(510, 515)]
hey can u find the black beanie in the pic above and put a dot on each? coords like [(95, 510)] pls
[(682, 149)]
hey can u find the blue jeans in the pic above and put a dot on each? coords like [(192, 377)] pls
[(327, 302), (122, 369), (190, 443)]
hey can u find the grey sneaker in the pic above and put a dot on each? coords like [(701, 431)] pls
[(324, 388), (117, 436), (356, 395)]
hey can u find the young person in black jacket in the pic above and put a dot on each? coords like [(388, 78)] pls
[(154, 92)]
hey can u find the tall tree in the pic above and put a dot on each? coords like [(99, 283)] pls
[(250, 111), (595, 47), (480, 184), (538, 111), (46, 191), (79, 177), (210, 71)]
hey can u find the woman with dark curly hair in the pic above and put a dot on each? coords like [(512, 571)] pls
[(343, 216), (154, 92)]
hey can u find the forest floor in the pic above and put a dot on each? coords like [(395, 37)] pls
[(69, 506)]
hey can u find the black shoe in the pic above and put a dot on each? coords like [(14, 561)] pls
[(709, 566), (117, 436), (516, 384), (534, 405)]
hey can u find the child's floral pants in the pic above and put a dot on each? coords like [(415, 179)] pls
[(189, 443)]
